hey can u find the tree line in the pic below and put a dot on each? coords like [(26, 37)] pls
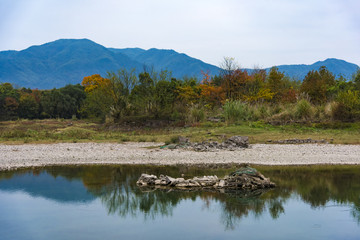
[(234, 94)]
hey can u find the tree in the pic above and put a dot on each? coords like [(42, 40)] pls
[(229, 72), (165, 97), (63, 102), (143, 94), (356, 79), (108, 96), (275, 83)]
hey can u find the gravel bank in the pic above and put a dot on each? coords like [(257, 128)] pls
[(29, 155)]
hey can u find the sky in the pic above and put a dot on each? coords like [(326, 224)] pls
[(261, 33)]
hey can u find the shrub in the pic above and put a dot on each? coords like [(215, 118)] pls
[(348, 107)]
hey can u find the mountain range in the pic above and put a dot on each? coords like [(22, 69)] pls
[(68, 61)]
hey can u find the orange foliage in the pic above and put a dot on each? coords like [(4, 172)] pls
[(213, 95)]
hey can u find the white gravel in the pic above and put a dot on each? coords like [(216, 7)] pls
[(29, 155)]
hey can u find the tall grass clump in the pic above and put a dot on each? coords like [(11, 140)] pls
[(235, 111), (196, 114), (303, 110), (260, 112)]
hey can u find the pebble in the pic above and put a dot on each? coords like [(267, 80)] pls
[(137, 153)]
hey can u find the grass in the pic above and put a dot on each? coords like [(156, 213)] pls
[(59, 130)]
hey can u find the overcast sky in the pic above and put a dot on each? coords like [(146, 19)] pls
[(255, 32)]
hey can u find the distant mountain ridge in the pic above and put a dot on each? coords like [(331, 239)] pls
[(68, 61), (337, 66)]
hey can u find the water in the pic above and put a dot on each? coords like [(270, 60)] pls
[(103, 202)]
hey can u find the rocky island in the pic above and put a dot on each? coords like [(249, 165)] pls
[(245, 178)]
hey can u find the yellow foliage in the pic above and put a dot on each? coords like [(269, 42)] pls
[(262, 94), (94, 81), (188, 94)]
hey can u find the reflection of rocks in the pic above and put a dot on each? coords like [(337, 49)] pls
[(231, 144), (244, 178)]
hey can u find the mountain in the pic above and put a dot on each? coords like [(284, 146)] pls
[(68, 61), (58, 63), (336, 66), (179, 64)]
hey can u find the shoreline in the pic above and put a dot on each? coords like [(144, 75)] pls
[(41, 155)]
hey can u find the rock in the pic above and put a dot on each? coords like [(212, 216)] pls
[(146, 179), (239, 141), (221, 183), (231, 144)]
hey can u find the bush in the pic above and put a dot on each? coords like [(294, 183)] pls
[(343, 113), (348, 107)]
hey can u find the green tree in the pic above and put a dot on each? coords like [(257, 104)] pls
[(28, 106), (143, 94), (9, 101), (356, 79), (63, 102)]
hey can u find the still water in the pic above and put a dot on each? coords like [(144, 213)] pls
[(103, 202)]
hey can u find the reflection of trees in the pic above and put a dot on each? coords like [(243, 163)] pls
[(123, 198), (115, 186)]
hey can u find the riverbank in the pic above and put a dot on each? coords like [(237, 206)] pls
[(37, 155)]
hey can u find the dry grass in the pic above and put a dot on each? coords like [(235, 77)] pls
[(58, 130)]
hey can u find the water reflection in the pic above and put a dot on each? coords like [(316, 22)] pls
[(115, 186)]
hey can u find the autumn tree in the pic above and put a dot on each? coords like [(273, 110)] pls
[(211, 94), (98, 97), (109, 96), (316, 85)]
